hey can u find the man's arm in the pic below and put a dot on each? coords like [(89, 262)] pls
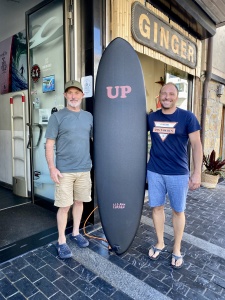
[(49, 154), (196, 145)]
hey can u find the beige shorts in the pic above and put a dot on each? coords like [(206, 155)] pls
[(73, 187)]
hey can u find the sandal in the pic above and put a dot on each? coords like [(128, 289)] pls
[(155, 250), (176, 257)]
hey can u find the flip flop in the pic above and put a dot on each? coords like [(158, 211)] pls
[(176, 257), (155, 250)]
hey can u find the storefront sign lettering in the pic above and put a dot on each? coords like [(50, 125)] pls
[(149, 30)]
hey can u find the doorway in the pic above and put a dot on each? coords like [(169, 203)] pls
[(27, 223), (46, 65)]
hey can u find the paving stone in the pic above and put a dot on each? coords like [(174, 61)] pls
[(12, 273), (192, 284), (85, 273), (212, 296), (34, 260), (59, 296), (18, 296), (219, 281), (26, 287), (69, 274), (80, 296), (6, 288), (153, 282), (202, 273), (169, 272), (136, 272), (1, 297), (98, 296), (173, 294), (71, 263), (193, 260), (209, 285), (31, 273), (115, 259), (49, 273), (52, 261), (193, 295), (103, 286), (4, 265), (46, 287), (38, 296), (87, 288), (65, 286), (20, 263), (41, 252), (133, 260)]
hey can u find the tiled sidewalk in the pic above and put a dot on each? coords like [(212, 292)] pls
[(95, 273)]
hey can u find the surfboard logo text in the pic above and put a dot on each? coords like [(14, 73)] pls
[(118, 91), (119, 205)]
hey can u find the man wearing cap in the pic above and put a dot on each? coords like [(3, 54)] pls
[(69, 130)]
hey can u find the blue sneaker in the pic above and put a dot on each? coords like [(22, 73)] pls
[(79, 240), (64, 251)]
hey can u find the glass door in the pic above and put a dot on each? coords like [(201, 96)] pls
[(45, 38)]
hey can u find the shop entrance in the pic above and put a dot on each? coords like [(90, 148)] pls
[(46, 48), (60, 47)]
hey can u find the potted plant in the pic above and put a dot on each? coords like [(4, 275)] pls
[(214, 169)]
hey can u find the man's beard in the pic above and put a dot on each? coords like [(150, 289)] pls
[(74, 105)]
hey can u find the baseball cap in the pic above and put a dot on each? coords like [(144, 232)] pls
[(73, 83)]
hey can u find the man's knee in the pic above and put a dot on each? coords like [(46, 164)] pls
[(63, 210), (177, 213), (78, 203)]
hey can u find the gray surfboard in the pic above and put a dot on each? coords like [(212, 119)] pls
[(120, 143)]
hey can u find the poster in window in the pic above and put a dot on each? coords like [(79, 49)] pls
[(13, 64)]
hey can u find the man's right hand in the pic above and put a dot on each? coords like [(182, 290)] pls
[(55, 174)]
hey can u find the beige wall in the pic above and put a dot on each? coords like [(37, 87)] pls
[(152, 71)]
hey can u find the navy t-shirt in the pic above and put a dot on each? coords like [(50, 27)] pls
[(169, 136)]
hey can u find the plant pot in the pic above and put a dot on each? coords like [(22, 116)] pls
[(209, 181)]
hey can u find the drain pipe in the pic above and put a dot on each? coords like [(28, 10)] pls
[(205, 88)]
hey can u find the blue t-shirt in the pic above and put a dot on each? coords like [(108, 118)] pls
[(71, 132), (169, 136)]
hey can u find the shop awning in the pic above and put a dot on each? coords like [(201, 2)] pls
[(199, 17)]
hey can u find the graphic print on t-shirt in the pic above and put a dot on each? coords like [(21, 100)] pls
[(164, 128)]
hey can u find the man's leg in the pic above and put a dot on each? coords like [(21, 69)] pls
[(76, 237), (158, 216), (62, 216), (77, 212), (178, 226)]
